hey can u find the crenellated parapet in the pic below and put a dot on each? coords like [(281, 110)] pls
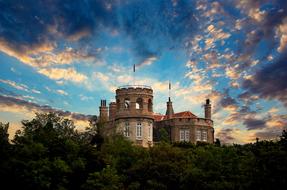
[(134, 101)]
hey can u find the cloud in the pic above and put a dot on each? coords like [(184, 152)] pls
[(211, 58), (69, 74), (15, 85), (282, 34), (34, 38), (100, 76), (252, 123), (16, 105), (155, 27), (67, 56), (148, 61), (269, 82), (24, 52), (225, 135), (50, 20), (62, 92), (232, 72)]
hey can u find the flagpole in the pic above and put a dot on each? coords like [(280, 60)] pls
[(169, 88), (134, 69)]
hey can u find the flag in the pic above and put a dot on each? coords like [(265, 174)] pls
[(169, 85), (134, 67)]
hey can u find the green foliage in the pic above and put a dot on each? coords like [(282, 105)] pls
[(50, 154), (164, 137), (107, 179)]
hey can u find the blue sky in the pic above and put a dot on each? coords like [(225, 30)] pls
[(66, 56)]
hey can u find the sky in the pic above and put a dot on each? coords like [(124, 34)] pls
[(65, 56)]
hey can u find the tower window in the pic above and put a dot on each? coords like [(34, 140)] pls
[(127, 103), (184, 135), (139, 130), (139, 103), (204, 135), (149, 105), (150, 130), (127, 129)]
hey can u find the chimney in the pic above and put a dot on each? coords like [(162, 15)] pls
[(207, 109), (103, 111), (112, 110), (169, 109)]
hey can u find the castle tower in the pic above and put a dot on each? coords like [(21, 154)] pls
[(169, 109), (207, 109), (103, 111), (134, 113), (112, 110)]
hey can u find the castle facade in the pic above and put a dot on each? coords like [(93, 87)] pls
[(132, 115)]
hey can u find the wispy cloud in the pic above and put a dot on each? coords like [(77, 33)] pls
[(69, 74)]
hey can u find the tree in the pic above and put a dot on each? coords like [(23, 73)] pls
[(107, 179), (164, 136), (217, 142), (96, 131), (4, 136), (283, 139)]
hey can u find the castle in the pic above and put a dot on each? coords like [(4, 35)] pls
[(132, 115)]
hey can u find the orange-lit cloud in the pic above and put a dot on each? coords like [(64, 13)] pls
[(69, 74)]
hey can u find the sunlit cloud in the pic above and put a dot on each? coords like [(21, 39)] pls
[(69, 74)]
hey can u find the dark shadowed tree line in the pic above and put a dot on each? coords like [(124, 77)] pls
[(50, 153)]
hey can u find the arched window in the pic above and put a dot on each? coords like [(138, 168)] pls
[(118, 104), (149, 105), (139, 103), (127, 103)]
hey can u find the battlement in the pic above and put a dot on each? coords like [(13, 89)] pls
[(134, 89), (134, 86)]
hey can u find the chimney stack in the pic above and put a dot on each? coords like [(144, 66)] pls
[(103, 111), (207, 109)]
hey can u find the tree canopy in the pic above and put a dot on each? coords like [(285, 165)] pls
[(49, 153)]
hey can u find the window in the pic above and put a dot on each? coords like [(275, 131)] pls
[(184, 135), (201, 135), (139, 103), (150, 131), (186, 138), (127, 129), (139, 130), (181, 135), (127, 103), (118, 104), (198, 135), (149, 105), (204, 135)]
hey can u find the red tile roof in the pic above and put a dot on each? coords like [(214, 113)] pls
[(184, 114)]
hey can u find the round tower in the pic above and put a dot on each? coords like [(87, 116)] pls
[(134, 113)]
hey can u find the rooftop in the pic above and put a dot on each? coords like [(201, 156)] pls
[(184, 114)]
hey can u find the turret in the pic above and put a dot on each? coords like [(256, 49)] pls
[(103, 111), (207, 109), (169, 109)]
